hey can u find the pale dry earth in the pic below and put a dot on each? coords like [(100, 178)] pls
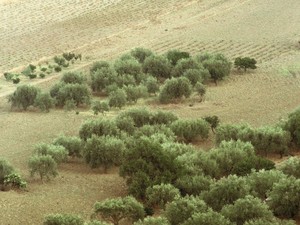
[(35, 31)]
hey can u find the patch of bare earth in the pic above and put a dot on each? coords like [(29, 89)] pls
[(35, 31)]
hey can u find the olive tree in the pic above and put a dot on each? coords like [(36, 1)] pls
[(245, 63), (207, 218), (160, 195), (157, 66), (117, 209), (245, 209), (284, 198), (63, 219), (141, 54), (24, 96), (117, 98), (175, 89), (43, 165), (104, 151), (44, 101), (153, 221), (291, 166)]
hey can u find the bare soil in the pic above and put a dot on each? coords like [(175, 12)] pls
[(33, 31)]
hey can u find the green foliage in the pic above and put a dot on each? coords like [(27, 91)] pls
[(44, 165), (186, 64), (160, 195), (129, 66), (226, 191), (117, 209), (57, 152), (293, 126), (291, 167), (193, 185), (133, 93), (147, 163), (262, 181), (14, 180), (63, 219), (157, 66), (217, 65), (60, 61), (126, 124), (42, 75), (245, 63), (44, 101), (153, 221), (68, 55), (16, 80), (117, 98), (163, 117), (265, 139), (96, 222), (175, 88), (140, 116), (207, 218), (141, 54), (229, 154), (100, 107), (102, 78), (175, 55), (201, 90), (8, 76), (99, 65), (189, 130), (104, 151), (99, 127), (28, 70), (196, 75), (273, 221), (73, 78), (57, 69), (5, 169), (181, 209), (245, 209), (32, 75), (24, 96), (152, 85), (73, 145), (284, 198), (78, 93), (213, 121)]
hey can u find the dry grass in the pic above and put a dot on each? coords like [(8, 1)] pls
[(34, 31)]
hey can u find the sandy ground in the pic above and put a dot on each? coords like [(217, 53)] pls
[(33, 31)]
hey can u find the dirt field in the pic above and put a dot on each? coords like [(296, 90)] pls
[(33, 30)]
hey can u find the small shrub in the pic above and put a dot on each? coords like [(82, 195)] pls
[(57, 152), (103, 151), (8, 76), (32, 75), (44, 102), (175, 88), (5, 169), (73, 78), (44, 165), (42, 75), (68, 56), (24, 96), (291, 167), (152, 85), (141, 54), (99, 127), (117, 99), (117, 209), (99, 65), (57, 69), (245, 63), (60, 61), (157, 66), (175, 55), (63, 219), (73, 145), (16, 80), (14, 180), (213, 121), (189, 130), (160, 195), (100, 107)]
